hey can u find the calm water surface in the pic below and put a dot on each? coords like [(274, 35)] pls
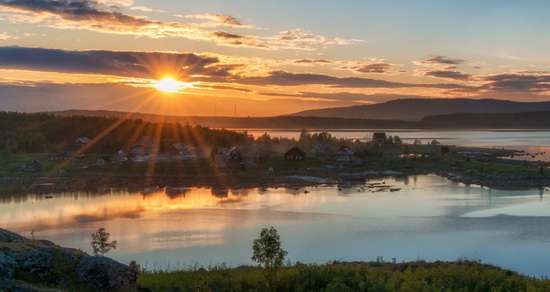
[(428, 218), (534, 142)]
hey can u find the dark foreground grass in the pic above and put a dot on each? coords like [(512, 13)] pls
[(336, 276)]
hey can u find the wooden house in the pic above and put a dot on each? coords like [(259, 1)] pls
[(347, 154), (82, 141), (144, 147), (295, 154), (317, 148)]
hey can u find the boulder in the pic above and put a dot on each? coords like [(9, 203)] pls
[(39, 263), (102, 274), (7, 268), (10, 237)]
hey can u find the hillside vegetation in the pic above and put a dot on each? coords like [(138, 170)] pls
[(357, 276)]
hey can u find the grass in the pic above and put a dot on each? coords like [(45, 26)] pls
[(460, 275)]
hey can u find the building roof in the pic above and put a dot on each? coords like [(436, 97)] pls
[(295, 151), (82, 140), (347, 151)]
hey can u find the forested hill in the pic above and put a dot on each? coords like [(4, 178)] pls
[(26, 132), (416, 109), (281, 122), (524, 120)]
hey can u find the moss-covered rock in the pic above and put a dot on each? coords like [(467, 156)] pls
[(25, 263)]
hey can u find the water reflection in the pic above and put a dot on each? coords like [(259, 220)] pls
[(408, 218)]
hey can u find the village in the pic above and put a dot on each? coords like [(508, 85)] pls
[(251, 154)]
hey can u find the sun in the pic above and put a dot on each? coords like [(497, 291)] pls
[(167, 84)]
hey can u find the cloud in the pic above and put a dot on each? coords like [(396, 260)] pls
[(347, 96), (100, 17), (146, 9), (215, 20), (284, 78), (312, 61), (94, 16), (117, 3), (221, 87), (4, 36), (436, 60), (452, 75), (237, 40), (115, 63), (525, 81), (373, 68), (305, 40)]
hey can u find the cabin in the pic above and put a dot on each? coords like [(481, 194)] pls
[(181, 149), (346, 154), (80, 142), (144, 147), (295, 154), (317, 148)]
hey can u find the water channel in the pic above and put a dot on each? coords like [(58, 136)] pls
[(404, 218)]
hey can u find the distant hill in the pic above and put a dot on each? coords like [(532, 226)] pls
[(523, 120), (280, 122), (416, 109), (514, 120)]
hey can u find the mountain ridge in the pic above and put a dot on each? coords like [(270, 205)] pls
[(415, 109)]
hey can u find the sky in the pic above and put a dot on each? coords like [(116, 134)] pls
[(267, 58)]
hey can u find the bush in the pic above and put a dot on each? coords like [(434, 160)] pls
[(100, 243)]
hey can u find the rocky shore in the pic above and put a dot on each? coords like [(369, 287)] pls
[(35, 265)]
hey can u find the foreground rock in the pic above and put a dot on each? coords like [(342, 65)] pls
[(25, 262)]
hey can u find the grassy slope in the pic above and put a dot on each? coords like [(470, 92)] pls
[(374, 276)]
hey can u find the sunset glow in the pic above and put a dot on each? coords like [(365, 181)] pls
[(167, 84), (367, 52)]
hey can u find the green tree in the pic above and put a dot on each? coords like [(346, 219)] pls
[(397, 140), (100, 242), (267, 251)]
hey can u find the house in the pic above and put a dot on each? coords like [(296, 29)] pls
[(180, 149), (82, 141), (317, 148), (295, 154), (235, 154), (235, 158), (346, 154), (144, 147), (379, 138)]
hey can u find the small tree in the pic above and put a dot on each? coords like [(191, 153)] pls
[(100, 243), (267, 251)]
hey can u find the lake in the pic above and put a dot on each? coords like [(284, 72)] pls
[(408, 218), (536, 143)]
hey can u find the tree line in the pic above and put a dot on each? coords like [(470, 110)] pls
[(42, 132)]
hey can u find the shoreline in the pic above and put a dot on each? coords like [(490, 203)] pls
[(249, 180), (486, 167)]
